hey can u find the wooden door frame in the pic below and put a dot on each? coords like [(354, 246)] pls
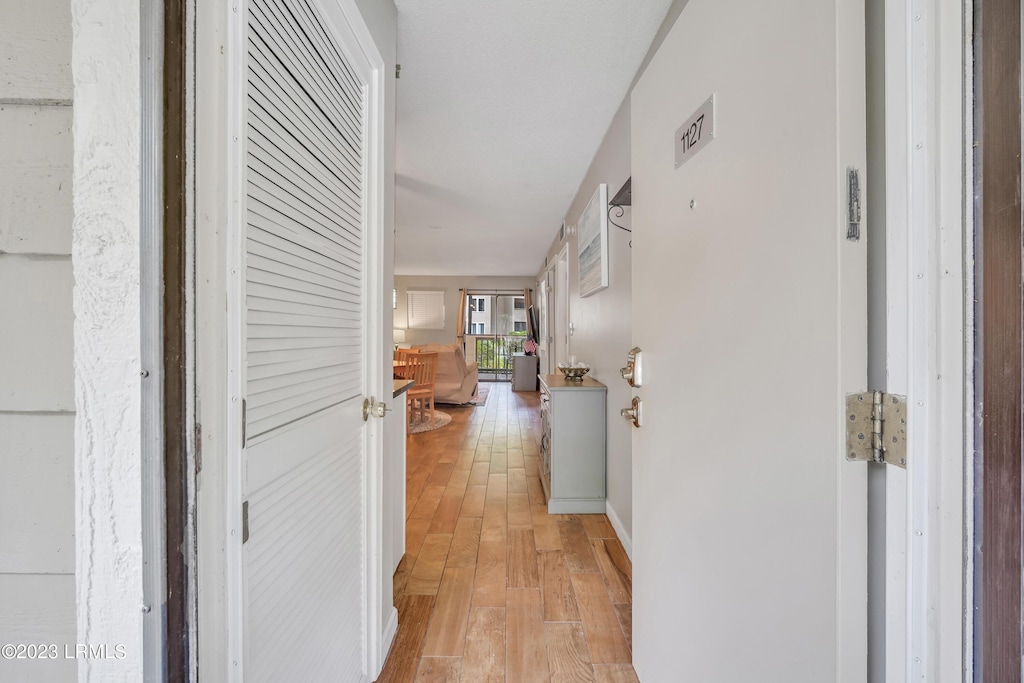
[(999, 342), (166, 356), (179, 288)]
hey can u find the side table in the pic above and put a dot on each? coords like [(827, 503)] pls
[(524, 372)]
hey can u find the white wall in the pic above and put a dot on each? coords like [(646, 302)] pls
[(37, 402), (601, 321), (451, 286), (105, 253), (602, 334)]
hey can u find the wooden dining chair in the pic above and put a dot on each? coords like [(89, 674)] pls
[(423, 372), (403, 368)]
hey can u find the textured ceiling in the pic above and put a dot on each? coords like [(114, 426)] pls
[(501, 107)]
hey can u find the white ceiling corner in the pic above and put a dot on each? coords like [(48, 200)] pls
[(501, 108)]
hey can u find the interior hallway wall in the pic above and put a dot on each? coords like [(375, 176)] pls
[(37, 402), (601, 322), (451, 286), (605, 335)]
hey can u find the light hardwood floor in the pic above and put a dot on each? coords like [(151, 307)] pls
[(492, 587)]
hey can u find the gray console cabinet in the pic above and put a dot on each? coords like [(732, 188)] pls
[(524, 372), (573, 439)]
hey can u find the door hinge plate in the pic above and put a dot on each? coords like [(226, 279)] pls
[(876, 428), (245, 521), (199, 448)]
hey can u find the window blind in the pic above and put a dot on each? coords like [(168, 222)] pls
[(426, 310)]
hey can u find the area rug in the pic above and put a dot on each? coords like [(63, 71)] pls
[(440, 420), (481, 394)]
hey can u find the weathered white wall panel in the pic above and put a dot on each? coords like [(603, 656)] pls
[(38, 609), (105, 254), (37, 527), (35, 179), (37, 494), (35, 50), (35, 360)]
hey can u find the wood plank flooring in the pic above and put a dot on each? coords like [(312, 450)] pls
[(493, 588)]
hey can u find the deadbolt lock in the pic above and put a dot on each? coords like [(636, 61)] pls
[(632, 372)]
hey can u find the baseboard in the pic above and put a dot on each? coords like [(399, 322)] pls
[(625, 539), (387, 638)]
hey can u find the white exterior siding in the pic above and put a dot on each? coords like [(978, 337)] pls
[(107, 296), (35, 49), (37, 496)]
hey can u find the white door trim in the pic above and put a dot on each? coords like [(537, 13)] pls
[(237, 92), (347, 21), (927, 624), (562, 289)]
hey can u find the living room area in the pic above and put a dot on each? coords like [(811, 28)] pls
[(484, 320)]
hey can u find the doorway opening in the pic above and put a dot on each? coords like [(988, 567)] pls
[(496, 330)]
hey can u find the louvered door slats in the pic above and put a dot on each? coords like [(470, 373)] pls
[(269, 134), (305, 213), (264, 269), (295, 103), (269, 234), (297, 268), (283, 297), (292, 217), (291, 193), (266, 220), (309, 71), (326, 197), (337, 67), (270, 109)]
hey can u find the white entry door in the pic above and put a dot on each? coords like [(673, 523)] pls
[(749, 304), (306, 347)]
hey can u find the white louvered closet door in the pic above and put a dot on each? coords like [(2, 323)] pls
[(304, 337)]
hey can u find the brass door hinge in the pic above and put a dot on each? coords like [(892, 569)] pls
[(876, 428)]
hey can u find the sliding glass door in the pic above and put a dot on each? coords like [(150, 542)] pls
[(495, 330)]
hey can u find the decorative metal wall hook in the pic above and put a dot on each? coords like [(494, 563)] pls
[(620, 214)]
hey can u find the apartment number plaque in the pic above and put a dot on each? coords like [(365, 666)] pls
[(696, 133)]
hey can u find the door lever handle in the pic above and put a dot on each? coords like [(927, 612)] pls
[(634, 413)]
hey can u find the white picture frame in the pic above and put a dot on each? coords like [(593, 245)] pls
[(592, 243)]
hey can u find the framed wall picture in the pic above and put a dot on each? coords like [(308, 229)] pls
[(592, 243)]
